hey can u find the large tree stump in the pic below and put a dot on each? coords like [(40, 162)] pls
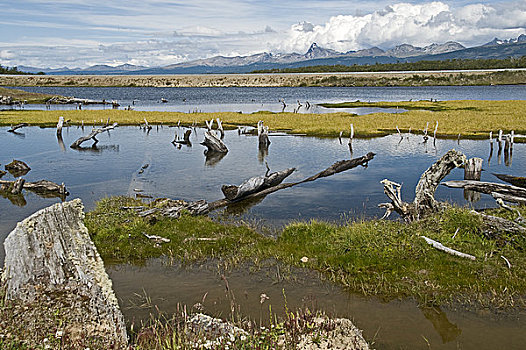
[(424, 202), (50, 258), (213, 143)]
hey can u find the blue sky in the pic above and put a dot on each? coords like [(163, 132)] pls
[(79, 33)]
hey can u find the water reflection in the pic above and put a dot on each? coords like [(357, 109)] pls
[(98, 149), (448, 331), (213, 158), (61, 143)]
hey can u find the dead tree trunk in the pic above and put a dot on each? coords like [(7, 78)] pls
[(18, 126), (472, 171), (424, 202), (255, 184), (214, 143), (263, 139), (59, 126), (50, 260), (41, 186), (92, 136), (487, 187)]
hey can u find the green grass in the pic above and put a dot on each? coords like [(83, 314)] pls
[(20, 95), (376, 257), (471, 119)]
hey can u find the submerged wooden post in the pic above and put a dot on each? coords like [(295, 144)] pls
[(472, 171), (263, 139)]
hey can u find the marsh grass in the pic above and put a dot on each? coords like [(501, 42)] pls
[(21, 95), (373, 257), (471, 119)]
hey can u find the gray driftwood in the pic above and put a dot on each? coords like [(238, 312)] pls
[(508, 198), (496, 227), (213, 143), (17, 168), (51, 259), (38, 186), (424, 202), (487, 187), (92, 135), (263, 139), (441, 247), (185, 140), (255, 184), (16, 127), (518, 181)]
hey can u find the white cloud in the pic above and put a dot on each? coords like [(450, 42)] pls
[(417, 24)]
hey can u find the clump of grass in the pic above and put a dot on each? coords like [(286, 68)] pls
[(375, 257), (21, 95), (471, 119)]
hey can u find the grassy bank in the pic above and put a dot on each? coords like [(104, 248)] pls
[(377, 257), (21, 95), (471, 119)]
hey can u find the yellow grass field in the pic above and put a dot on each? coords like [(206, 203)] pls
[(471, 119)]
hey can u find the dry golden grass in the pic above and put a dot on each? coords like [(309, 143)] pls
[(472, 119)]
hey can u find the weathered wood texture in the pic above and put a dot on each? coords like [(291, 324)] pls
[(473, 169), (441, 247), (17, 168), (92, 136), (495, 227), (41, 186), (213, 143), (424, 202), (255, 184), (263, 135), (487, 187), (50, 255)]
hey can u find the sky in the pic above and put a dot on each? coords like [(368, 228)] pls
[(151, 33)]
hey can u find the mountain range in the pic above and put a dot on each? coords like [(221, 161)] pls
[(315, 55)]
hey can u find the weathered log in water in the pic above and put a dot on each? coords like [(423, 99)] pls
[(424, 202), (255, 184), (508, 198), (487, 187), (518, 181), (41, 186), (51, 264), (174, 208), (92, 135), (213, 143), (17, 168), (16, 127), (263, 139)]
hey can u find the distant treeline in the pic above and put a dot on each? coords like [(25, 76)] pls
[(454, 64), (14, 70)]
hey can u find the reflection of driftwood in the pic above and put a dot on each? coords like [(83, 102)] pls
[(15, 199), (214, 143), (487, 187), (441, 247), (447, 330), (99, 149), (92, 135), (518, 181), (17, 168), (12, 187), (185, 140), (424, 202), (18, 126), (212, 158), (38, 186), (255, 184)]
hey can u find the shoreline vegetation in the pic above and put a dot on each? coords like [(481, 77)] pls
[(468, 118), (438, 78)]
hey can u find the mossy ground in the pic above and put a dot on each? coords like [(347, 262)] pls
[(375, 257), (21, 95), (471, 119)]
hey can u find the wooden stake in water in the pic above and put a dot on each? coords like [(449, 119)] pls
[(59, 126)]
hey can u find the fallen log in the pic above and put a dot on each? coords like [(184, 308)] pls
[(214, 143), (92, 136), (39, 186), (424, 202), (496, 227), (487, 187), (17, 168), (52, 266), (518, 181), (443, 248), (255, 184), (508, 198), (18, 126)]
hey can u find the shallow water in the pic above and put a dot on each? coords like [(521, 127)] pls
[(113, 168), (253, 99)]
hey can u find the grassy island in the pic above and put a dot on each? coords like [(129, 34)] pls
[(470, 119)]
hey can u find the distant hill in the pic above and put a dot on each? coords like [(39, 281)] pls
[(315, 56)]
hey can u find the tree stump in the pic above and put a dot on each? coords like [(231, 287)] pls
[(50, 259)]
